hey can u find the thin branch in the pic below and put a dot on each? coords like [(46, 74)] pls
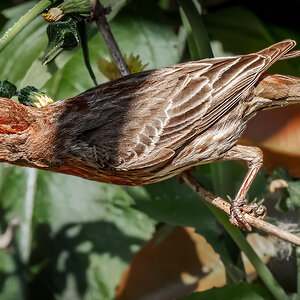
[(7, 236), (225, 206), (99, 16)]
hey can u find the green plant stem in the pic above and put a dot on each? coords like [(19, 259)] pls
[(223, 181), (261, 269), (197, 37), (26, 224), (85, 50), (23, 21)]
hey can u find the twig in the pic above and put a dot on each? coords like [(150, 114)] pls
[(99, 16), (7, 236), (225, 206)]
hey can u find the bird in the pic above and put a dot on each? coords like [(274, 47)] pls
[(149, 126)]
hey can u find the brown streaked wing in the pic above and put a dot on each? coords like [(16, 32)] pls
[(229, 80), (147, 118), (169, 106)]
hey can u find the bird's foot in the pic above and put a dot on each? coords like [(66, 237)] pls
[(239, 208), (255, 210)]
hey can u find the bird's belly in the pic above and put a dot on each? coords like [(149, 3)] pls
[(206, 146), (209, 146)]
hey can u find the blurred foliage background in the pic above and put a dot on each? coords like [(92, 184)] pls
[(79, 239)]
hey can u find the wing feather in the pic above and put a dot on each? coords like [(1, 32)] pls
[(166, 107)]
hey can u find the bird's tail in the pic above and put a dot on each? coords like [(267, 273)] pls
[(281, 50), (281, 90), (278, 90)]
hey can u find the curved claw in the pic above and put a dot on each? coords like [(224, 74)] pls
[(255, 210), (236, 216), (238, 209)]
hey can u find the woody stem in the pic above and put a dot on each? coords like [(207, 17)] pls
[(100, 18)]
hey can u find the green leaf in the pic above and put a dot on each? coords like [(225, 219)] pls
[(11, 284), (80, 237), (198, 40), (20, 61), (238, 29), (245, 291), (174, 203), (26, 47), (235, 30)]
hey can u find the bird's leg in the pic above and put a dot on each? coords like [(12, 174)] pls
[(254, 158)]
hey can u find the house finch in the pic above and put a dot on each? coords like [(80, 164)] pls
[(153, 125)]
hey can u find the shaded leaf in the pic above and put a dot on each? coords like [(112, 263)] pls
[(240, 291), (198, 40), (76, 225), (174, 203), (289, 197), (238, 29)]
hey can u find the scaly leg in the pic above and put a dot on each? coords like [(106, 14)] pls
[(254, 158)]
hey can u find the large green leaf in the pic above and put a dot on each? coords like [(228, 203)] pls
[(175, 203), (83, 233), (238, 29), (20, 61), (18, 56)]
